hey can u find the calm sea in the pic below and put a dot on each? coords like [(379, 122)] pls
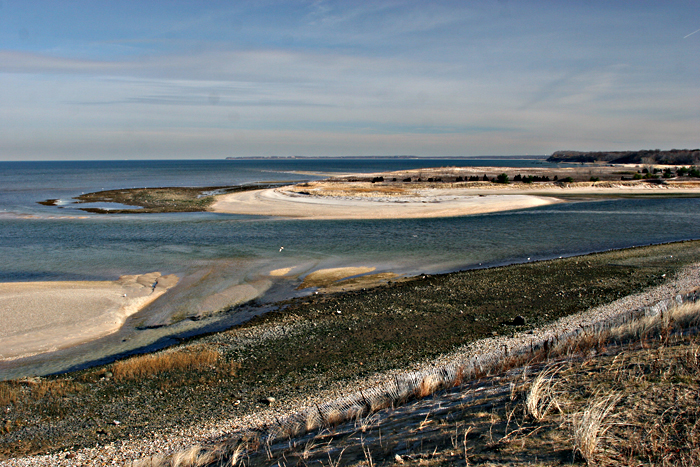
[(51, 243)]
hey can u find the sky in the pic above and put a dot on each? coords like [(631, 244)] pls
[(205, 80)]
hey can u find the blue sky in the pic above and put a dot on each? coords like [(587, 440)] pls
[(169, 80)]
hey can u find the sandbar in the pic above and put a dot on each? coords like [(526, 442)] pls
[(323, 278), (283, 202), (41, 317), (344, 199)]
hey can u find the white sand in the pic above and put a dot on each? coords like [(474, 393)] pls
[(446, 203), (364, 200), (42, 317)]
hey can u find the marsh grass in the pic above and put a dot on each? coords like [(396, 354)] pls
[(194, 358)]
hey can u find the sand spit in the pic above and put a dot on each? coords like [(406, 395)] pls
[(347, 198), (42, 317), (288, 202)]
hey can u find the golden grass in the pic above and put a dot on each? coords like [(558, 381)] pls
[(188, 359), (541, 397), (428, 386), (55, 389), (677, 318), (591, 424), (9, 393)]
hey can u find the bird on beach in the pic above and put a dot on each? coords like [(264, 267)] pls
[(281, 248)]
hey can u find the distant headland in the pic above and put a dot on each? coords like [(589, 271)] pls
[(643, 156)]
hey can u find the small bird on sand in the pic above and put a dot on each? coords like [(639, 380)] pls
[(281, 248)]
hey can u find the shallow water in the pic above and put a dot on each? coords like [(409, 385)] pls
[(233, 250)]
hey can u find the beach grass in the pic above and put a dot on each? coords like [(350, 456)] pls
[(627, 397)]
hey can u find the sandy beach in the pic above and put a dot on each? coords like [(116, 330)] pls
[(342, 199), (285, 202), (42, 317)]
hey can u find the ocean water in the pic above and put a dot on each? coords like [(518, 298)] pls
[(50, 243)]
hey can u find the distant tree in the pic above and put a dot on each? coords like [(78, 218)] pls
[(595, 179), (518, 178), (556, 178), (568, 180), (638, 176), (486, 179), (682, 171), (503, 178), (407, 179), (694, 172)]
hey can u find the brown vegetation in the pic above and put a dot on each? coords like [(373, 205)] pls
[(624, 396), (194, 358)]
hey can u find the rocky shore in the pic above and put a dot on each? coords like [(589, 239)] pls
[(317, 349)]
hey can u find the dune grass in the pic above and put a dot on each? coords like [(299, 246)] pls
[(626, 395)]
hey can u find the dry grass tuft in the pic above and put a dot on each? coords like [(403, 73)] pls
[(334, 417), (193, 358), (195, 456), (55, 389), (590, 425), (428, 386), (541, 396), (9, 393), (677, 318)]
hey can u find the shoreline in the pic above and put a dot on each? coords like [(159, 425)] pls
[(241, 409), (326, 282), (309, 353), (42, 317), (414, 193)]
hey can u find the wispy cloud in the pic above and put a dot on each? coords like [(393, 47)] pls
[(685, 37), (436, 78)]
